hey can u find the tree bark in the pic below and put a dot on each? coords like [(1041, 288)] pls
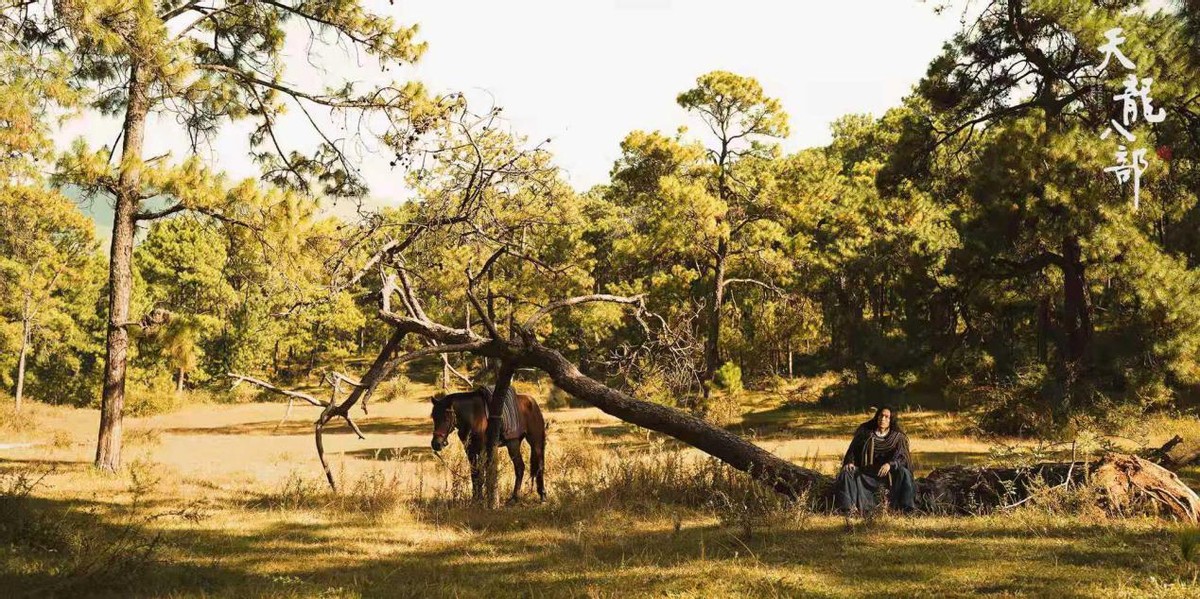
[(380, 370), (25, 328), (850, 349), (712, 344), (1043, 328), (495, 414), (120, 272), (782, 475), (1076, 314)]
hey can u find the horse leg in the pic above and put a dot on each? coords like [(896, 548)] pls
[(537, 461), (476, 461), (514, 452)]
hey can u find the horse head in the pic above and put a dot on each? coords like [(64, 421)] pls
[(444, 421)]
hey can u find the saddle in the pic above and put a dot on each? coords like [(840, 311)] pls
[(511, 425)]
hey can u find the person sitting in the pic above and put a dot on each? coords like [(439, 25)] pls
[(878, 457)]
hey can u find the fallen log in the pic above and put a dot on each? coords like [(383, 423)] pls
[(1173, 455), (1122, 484), (1163, 454)]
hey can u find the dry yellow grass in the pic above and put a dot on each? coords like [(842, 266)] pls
[(234, 504)]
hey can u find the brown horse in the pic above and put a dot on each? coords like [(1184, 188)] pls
[(467, 412)]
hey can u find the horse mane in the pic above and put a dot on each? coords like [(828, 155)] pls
[(450, 398)]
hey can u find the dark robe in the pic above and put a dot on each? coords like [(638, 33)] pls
[(868, 453)]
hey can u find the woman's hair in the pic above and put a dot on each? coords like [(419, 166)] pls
[(873, 423)]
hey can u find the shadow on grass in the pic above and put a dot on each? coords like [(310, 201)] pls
[(14, 464), (386, 454), (572, 549), (301, 426)]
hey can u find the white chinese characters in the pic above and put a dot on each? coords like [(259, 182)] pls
[(1135, 101)]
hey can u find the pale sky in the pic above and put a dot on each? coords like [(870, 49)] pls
[(586, 73)]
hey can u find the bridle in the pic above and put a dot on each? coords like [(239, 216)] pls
[(446, 440), (453, 418)]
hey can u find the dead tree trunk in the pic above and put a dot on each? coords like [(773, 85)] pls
[(1077, 320), (1121, 483), (1174, 454), (783, 476)]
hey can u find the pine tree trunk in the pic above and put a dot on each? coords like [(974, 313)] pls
[(1043, 329), (179, 384), (1076, 314), (495, 411), (20, 392), (850, 349), (120, 274), (445, 374), (712, 347)]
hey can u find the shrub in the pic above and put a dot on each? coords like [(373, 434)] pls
[(849, 393), (376, 493), (393, 389), (151, 394), (373, 494), (21, 524), (239, 393), (14, 423), (557, 399), (1015, 408), (728, 378), (90, 550), (722, 408), (1189, 543), (295, 492)]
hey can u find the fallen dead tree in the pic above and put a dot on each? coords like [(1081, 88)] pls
[(1118, 483), (1123, 483), (1175, 454), (481, 178), (478, 179)]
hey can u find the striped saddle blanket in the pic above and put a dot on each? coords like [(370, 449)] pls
[(511, 426)]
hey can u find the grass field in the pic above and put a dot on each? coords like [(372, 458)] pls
[(222, 500)]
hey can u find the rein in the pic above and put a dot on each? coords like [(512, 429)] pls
[(438, 454), (450, 470)]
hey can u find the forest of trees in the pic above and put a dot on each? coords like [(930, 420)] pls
[(965, 249)]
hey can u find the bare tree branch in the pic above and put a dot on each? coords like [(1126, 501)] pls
[(268, 386), (638, 300)]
